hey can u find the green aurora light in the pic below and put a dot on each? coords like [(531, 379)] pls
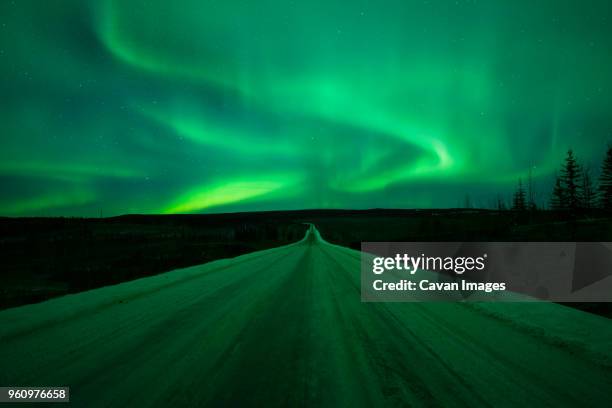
[(202, 106)]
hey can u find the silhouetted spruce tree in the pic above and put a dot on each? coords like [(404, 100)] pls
[(558, 201), (570, 177), (518, 200), (501, 205), (605, 182), (587, 198), (531, 204)]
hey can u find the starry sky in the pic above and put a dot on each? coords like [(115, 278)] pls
[(197, 106)]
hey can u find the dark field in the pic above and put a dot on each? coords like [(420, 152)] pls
[(48, 257)]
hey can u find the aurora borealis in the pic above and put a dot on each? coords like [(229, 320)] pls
[(209, 106)]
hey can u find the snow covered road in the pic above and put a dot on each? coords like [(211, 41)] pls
[(286, 327)]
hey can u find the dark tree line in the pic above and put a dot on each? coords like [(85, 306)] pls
[(574, 189)]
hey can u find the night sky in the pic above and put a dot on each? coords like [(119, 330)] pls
[(111, 107)]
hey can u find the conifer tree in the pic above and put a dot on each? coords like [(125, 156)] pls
[(570, 178), (531, 201), (501, 205), (518, 201), (558, 201), (605, 182), (587, 199)]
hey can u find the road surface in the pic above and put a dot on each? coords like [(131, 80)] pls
[(285, 327)]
